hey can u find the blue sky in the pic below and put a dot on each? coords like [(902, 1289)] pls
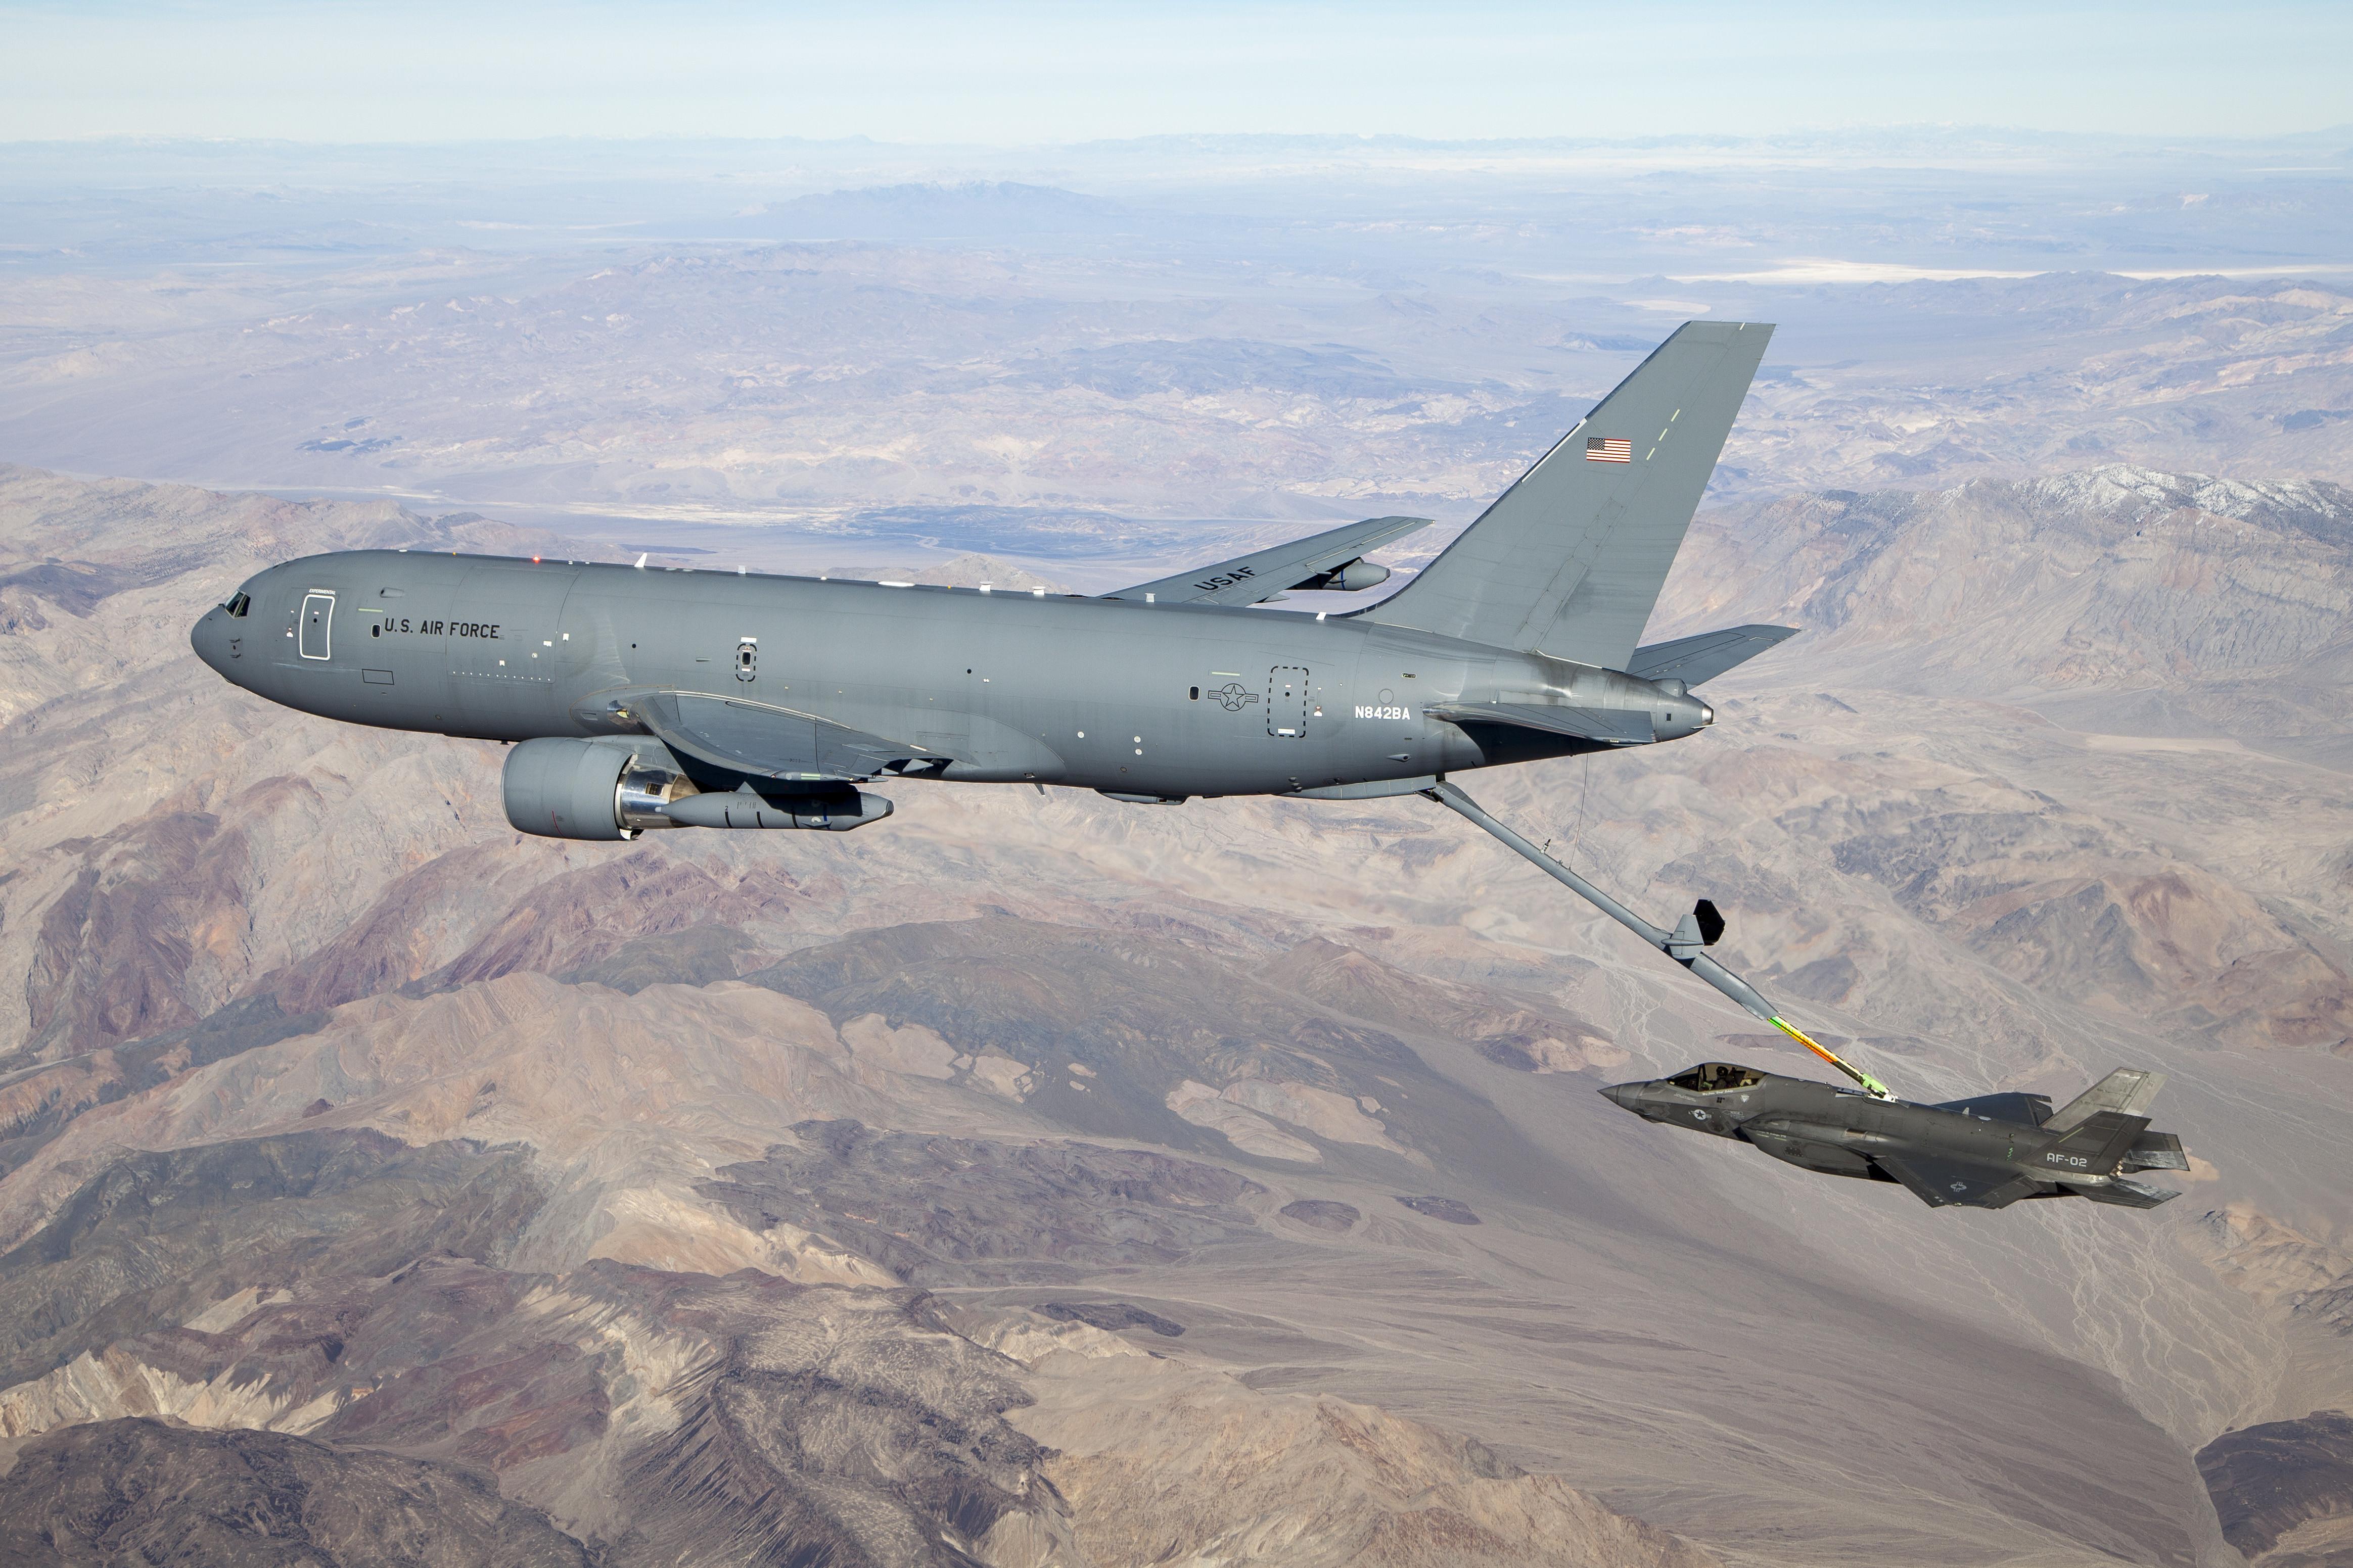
[(1022, 73)]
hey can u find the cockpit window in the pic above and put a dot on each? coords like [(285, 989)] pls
[(1715, 1077), (238, 606)]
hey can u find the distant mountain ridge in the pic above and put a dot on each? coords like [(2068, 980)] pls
[(2232, 598), (973, 209)]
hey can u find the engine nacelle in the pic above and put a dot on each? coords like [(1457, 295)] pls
[(619, 789), (591, 789)]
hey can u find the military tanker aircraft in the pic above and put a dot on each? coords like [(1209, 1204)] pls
[(644, 700), (638, 701)]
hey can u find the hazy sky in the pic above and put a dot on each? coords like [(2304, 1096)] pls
[(1012, 73)]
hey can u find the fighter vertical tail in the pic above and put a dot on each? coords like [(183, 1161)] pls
[(2127, 1091)]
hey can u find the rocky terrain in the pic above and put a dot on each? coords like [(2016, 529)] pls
[(2284, 1489), (1038, 1180), (1048, 1181)]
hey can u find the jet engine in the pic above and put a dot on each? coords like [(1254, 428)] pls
[(619, 789), (591, 789)]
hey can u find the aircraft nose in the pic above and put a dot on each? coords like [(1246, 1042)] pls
[(1625, 1095), (210, 637)]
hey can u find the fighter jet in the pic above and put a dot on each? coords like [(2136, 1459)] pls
[(1985, 1152), (640, 699)]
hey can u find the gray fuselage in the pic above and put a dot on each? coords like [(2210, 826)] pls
[(1164, 700), (1984, 1153)]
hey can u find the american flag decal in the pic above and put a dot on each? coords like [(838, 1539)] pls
[(1608, 449)]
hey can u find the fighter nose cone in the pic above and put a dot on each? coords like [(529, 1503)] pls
[(1625, 1095)]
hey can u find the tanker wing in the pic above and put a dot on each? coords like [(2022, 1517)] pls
[(1330, 560), (771, 742)]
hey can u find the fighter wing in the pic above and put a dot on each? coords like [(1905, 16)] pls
[(1613, 726), (1704, 658), (767, 742), (1938, 1183), (1246, 579)]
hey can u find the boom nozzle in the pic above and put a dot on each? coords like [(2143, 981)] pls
[(1687, 944)]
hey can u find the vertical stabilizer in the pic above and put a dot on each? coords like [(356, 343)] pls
[(1569, 561), (2127, 1091)]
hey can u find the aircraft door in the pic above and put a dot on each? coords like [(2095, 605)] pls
[(1287, 699), (315, 628)]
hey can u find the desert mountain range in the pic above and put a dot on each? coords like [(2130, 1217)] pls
[(1031, 1180)]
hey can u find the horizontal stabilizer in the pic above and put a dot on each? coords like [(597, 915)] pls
[(2130, 1091), (2125, 1195), (2156, 1152), (1248, 579), (1694, 659), (1612, 726), (1942, 1183)]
